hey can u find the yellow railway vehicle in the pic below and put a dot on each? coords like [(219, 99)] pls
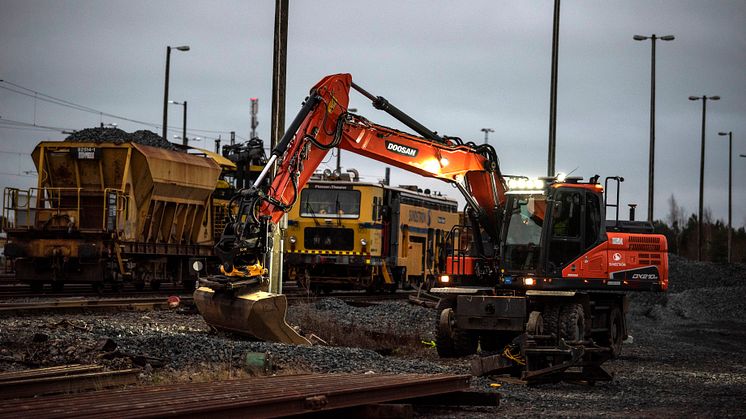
[(346, 234), (114, 212)]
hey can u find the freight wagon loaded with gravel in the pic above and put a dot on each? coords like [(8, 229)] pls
[(110, 210)]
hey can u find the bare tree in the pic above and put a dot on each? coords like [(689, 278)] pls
[(676, 214)]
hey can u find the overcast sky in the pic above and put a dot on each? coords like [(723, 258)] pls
[(456, 66)]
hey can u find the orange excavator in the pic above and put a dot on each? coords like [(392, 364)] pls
[(536, 275)]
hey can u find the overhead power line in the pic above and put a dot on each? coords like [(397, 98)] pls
[(25, 91)]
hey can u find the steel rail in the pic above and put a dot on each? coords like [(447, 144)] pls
[(90, 304)]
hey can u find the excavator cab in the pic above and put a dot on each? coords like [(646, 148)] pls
[(548, 228)]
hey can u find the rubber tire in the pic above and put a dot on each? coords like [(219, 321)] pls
[(139, 286), (58, 286), (155, 285), (550, 316), (616, 332), (37, 287), (453, 342), (572, 322)]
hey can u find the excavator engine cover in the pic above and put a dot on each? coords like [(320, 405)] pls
[(258, 314)]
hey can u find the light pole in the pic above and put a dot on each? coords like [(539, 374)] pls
[(552, 149), (651, 162), (487, 132), (165, 92), (700, 223), (730, 186), (183, 130)]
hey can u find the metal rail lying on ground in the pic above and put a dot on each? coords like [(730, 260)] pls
[(258, 397), (62, 379)]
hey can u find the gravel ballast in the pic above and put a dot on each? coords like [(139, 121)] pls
[(685, 357)]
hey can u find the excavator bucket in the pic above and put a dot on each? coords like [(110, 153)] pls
[(257, 314)]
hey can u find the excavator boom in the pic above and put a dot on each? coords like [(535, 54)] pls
[(322, 124)]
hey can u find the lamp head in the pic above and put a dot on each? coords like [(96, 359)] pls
[(714, 97), (694, 98), (639, 38), (667, 38), (183, 48), (722, 133)]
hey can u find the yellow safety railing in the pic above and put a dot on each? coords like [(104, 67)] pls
[(34, 208)]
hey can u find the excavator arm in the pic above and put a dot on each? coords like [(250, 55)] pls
[(322, 124)]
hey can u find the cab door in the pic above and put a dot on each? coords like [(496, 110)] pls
[(575, 229)]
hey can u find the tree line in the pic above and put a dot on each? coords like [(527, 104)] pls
[(681, 232)]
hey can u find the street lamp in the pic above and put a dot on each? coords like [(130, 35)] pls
[(730, 186), (651, 162), (487, 132), (183, 130), (165, 92), (702, 170)]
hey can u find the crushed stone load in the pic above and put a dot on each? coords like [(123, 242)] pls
[(118, 136)]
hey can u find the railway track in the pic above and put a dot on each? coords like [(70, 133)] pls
[(12, 290), (21, 292), (41, 303), (91, 304)]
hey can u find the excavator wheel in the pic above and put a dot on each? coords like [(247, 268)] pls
[(616, 332), (257, 314), (451, 341), (550, 319), (572, 322)]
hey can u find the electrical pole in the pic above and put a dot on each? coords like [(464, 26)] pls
[(279, 70), (700, 221), (553, 92)]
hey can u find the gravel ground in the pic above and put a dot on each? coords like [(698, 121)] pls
[(685, 359)]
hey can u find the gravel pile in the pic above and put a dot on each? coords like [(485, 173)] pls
[(118, 136), (697, 290), (685, 274)]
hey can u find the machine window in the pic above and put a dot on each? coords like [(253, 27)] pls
[(526, 220), (329, 203), (567, 214), (523, 238), (592, 220)]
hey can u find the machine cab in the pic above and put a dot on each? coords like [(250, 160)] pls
[(548, 227)]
